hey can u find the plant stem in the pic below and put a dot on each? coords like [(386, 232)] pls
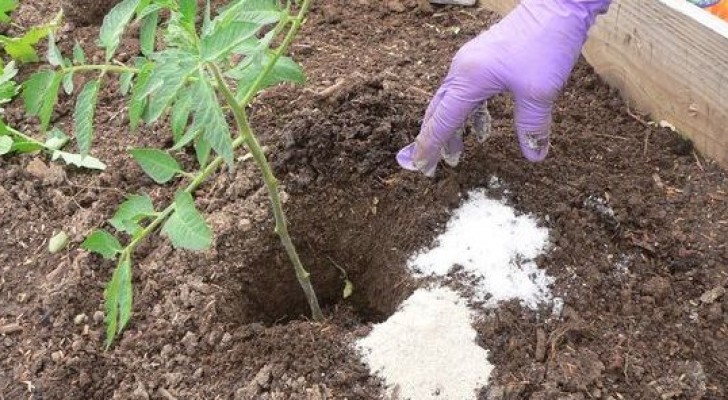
[(246, 138), (25, 137), (99, 67), (292, 32), (271, 183)]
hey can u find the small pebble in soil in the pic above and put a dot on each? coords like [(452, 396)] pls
[(80, 319), (99, 317)]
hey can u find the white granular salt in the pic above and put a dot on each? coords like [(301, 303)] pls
[(494, 245), (427, 350)]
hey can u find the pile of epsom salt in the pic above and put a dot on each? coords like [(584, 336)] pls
[(428, 348)]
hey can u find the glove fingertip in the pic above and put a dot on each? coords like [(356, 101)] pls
[(405, 157)]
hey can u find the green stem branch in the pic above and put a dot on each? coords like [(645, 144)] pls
[(25, 137), (99, 67)]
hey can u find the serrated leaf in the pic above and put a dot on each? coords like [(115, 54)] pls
[(54, 56), (202, 150), (259, 12), (55, 139), (206, 20), (150, 9), (6, 7), (78, 160), (186, 228), (130, 212), (285, 70), (9, 72), (138, 101), (22, 48), (118, 297), (188, 9), (114, 24), (181, 115), (79, 57), (159, 165), (40, 93), (224, 38), (22, 147), (172, 68), (6, 144), (210, 120), (125, 82), (102, 243), (148, 33), (58, 242), (68, 83), (83, 116)]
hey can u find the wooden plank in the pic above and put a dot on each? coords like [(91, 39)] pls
[(669, 59)]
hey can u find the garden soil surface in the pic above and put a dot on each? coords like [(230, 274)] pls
[(646, 316)]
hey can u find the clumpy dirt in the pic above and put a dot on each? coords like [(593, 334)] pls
[(637, 222)]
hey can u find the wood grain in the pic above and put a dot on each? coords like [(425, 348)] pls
[(669, 59)]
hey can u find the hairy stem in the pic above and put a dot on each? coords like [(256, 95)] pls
[(99, 67), (25, 137), (271, 183)]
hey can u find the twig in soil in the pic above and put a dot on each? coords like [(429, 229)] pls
[(647, 141), (697, 161), (637, 118), (10, 328), (606, 135)]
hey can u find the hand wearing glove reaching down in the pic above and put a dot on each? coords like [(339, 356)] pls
[(530, 53)]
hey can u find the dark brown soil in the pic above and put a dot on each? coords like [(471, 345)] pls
[(230, 322)]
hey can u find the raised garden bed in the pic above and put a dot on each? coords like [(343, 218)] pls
[(644, 316)]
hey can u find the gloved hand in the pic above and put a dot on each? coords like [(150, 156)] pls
[(531, 53)]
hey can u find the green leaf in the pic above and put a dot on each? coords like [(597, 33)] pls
[(285, 70), (54, 56), (68, 83), (58, 242), (79, 57), (159, 165), (40, 93), (172, 68), (225, 38), (259, 12), (118, 297), (23, 48), (206, 21), (6, 144), (125, 82), (202, 150), (181, 115), (78, 160), (188, 9), (138, 102), (186, 228), (56, 139), (130, 212), (6, 7), (103, 243), (8, 87), (148, 33), (22, 147), (114, 24), (83, 116), (210, 119)]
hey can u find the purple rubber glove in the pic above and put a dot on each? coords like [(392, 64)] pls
[(531, 53)]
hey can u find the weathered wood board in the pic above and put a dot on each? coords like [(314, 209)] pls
[(669, 59)]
